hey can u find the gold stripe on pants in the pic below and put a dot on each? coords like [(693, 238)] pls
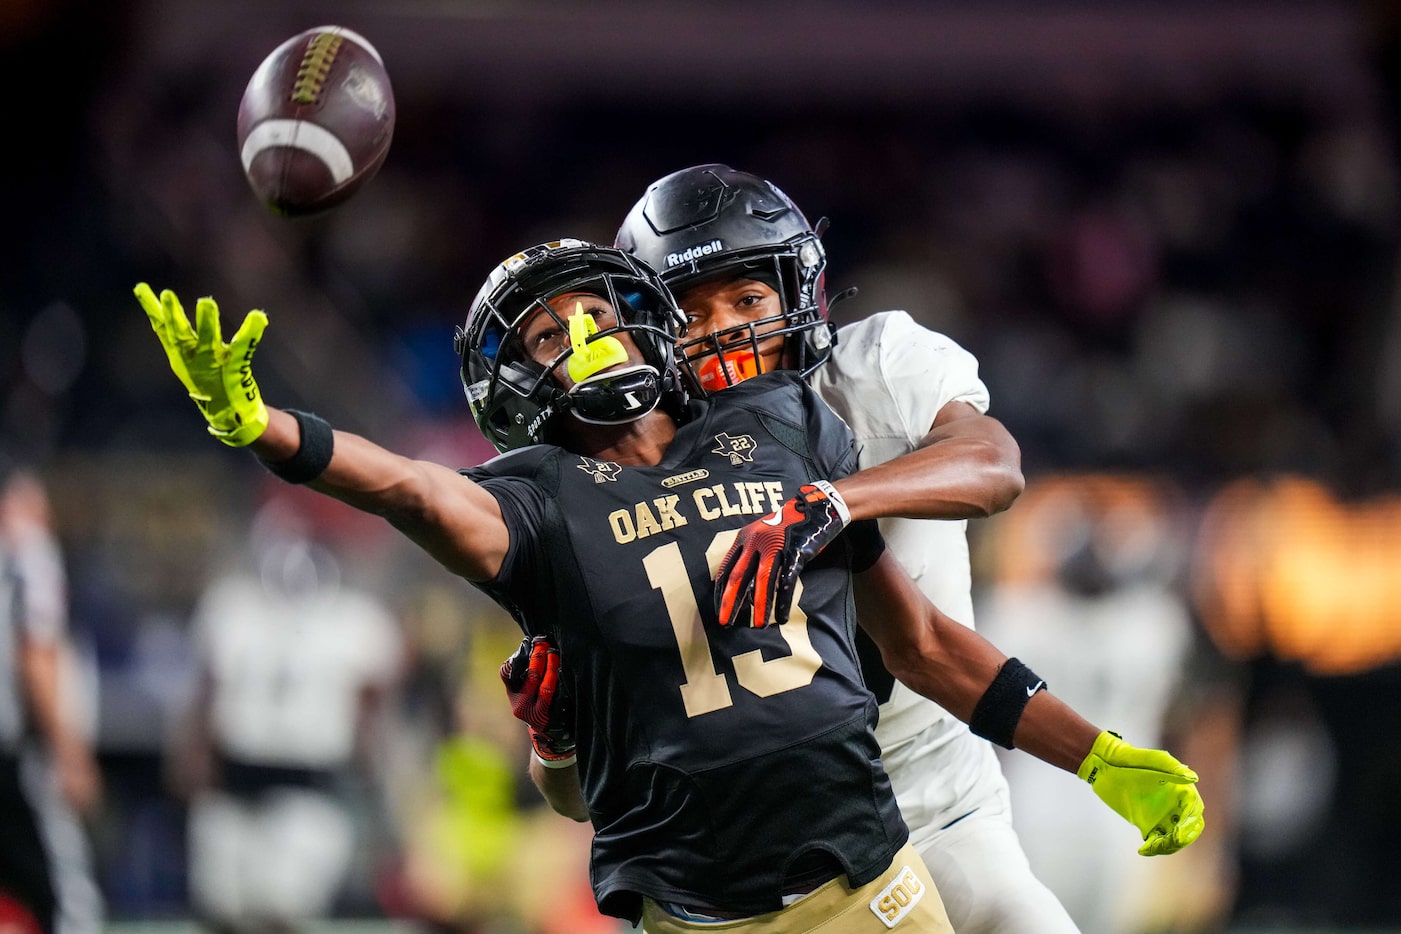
[(904, 894)]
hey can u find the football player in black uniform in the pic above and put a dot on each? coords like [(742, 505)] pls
[(729, 773)]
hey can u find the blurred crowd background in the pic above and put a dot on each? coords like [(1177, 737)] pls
[(1169, 231)]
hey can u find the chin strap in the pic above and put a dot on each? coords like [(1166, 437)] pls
[(616, 397), (841, 296)]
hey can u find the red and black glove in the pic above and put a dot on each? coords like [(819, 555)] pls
[(532, 682), (762, 566)]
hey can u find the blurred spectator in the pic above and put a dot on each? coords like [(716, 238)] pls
[(48, 775), (478, 844), (295, 667), (1088, 586), (1299, 586)]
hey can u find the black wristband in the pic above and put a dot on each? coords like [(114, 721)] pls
[(998, 710), (314, 454)]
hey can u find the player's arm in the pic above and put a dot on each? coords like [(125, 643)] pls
[(44, 662), (1003, 701), (560, 788), (42, 665), (532, 680), (190, 758), (450, 517), (953, 665), (968, 466)]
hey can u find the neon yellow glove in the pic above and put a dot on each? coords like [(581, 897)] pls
[(219, 376), (1148, 788)]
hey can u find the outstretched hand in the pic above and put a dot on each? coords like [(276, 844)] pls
[(762, 566), (217, 375), (1148, 788)]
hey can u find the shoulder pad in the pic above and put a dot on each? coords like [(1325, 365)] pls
[(522, 462)]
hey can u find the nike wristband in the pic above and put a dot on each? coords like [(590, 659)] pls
[(838, 503), (563, 763), (1000, 708), (553, 752)]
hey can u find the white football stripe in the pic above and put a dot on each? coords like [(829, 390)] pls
[(299, 134), (353, 36)]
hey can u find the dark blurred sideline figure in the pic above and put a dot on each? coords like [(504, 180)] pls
[(49, 779)]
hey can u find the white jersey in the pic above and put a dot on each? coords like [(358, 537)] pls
[(33, 607), (288, 671), (888, 377)]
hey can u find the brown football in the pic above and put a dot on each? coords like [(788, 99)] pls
[(315, 121)]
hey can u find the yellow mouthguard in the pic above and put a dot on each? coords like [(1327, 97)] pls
[(590, 356)]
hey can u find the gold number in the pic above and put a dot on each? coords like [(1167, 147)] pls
[(705, 690)]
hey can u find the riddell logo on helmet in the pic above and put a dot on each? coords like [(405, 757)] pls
[(694, 252)]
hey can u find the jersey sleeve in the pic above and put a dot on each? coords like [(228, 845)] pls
[(523, 507), (892, 376), (831, 444), (377, 648), (834, 450)]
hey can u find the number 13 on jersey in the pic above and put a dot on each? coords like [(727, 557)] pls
[(705, 690)]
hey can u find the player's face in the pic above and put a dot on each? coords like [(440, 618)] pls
[(545, 338), (725, 310)]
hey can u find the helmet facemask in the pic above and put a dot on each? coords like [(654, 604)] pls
[(712, 222), (719, 359), (519, 399)]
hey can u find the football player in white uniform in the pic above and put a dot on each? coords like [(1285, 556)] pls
[(747, 269), (295, 667)]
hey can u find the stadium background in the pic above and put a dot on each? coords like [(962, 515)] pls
[(1169, 232)]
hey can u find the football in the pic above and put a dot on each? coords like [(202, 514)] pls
[(315, 121)]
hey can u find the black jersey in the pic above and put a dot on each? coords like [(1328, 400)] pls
[(719, 765)]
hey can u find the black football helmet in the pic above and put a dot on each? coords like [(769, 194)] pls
[(710, 222), (517, 401)]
